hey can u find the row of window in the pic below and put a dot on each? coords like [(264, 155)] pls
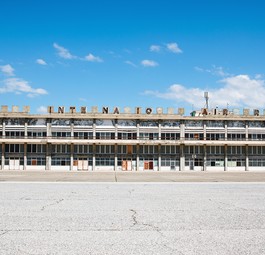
[(131, 149), (109, 161), (133, 136)]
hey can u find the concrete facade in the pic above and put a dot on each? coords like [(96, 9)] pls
[(146, 140)]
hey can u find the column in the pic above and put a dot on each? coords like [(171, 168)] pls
[(137, 157), (204, 131), (4, 129), (71, 156), (159, 131), (48, 156), (247, 159), (94, 157), (116, 130), (26, 130), (225, 130), (3, 156), (72, 130), (138, 131), (25, 156), (246, 131), (182, 158), (49, 133), (204, 157), (115, 157), (182, 131), (159, 157), (94, 129), (226, 161)]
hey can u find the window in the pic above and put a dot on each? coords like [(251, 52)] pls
[(149, 136), (56, 161), (105, 135), (36, 148), (61, 134), (31, 161), (61, 148), (14, 148), (83, 135), (194, 136), (236, 136), (15, 134), (148, 149), (215, 136), (170, 136), (105, 149)]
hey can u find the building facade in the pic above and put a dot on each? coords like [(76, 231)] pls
[(145, 140)]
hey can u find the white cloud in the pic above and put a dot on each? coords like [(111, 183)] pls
[(63, 52), (173, 47), (130, 63), (7, 70), (91, 58), (18, 86), (42, 109), (237, 91), (41, 62), (155, 48), (149, 63)]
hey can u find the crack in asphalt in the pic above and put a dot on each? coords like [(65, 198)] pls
[(156, 229), (134, 217), (56, 203)]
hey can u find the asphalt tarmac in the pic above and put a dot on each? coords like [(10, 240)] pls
[(132, 218)]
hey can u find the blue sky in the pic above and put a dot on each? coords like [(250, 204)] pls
[(132, 53)]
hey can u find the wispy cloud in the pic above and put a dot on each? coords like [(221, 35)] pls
[(7, 70), (42, 109), (237, 91), (149, 63), (215, 70), (173, 47), (18, 86), (91, 58), (130, 63), (155, 48), (41, 62), (63, 52)]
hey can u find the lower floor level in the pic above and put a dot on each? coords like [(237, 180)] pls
[(131, 157)]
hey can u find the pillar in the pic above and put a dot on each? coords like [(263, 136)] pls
[(247, 159), (204, 157), (159, 157), (182, 158), (137, 156), (115, 157), (3, 156), (226, 161), (71, 156), (48, 156), (25, 155), (94, 156)]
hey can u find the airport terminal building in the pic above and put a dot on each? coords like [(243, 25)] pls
[(140, 139)]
